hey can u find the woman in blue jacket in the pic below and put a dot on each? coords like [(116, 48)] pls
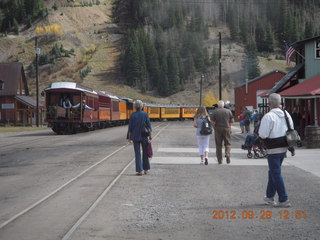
[(136, 123)]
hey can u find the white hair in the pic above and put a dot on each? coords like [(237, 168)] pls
[(138, 105), (221, 104), (275, 100)]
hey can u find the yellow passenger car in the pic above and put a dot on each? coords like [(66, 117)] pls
[(170, 112), (188, 111), (153, 111)]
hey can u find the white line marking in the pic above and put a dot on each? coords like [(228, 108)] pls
[(195, 150), (196, 161)]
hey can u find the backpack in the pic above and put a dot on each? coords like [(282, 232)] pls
[(206, 128)]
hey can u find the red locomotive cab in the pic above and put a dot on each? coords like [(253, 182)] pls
[(71, 107)]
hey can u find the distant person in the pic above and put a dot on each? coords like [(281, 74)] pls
[(273, 129), (222, 118), (65, 102), (203, 140), (136, 123), (246, 119), (255, 118), (241, 122), (84, 105), (296, 118)]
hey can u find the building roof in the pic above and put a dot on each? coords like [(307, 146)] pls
[(303, 42), (308, 88), (70, 85), (28, 101), (10, 75), (286, 78), (260, 77)]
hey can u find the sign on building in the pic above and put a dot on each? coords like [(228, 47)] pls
[(7, 106)]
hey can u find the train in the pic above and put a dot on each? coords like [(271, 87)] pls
[(99, 109)]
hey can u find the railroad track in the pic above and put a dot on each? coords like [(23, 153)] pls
[(157, 130)]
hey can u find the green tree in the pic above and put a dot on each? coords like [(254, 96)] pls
[(15, 26), (252, 61), (173, 73), (244, 31), (215, 57), (260, 37), (309, 30), (131, 65), (189, 66), (270, 39)]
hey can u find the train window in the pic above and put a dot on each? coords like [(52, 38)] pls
[(115, 106), (317, 49), (1, 85)]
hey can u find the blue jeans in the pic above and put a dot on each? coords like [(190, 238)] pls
[(275, 182), (144, 164)]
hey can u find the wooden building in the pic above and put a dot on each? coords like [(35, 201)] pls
[(15, 106), (247, 94), (300, 89)]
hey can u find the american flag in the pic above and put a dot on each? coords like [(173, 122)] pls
[(290, 50)]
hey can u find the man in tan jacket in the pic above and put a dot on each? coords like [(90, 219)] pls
[(222, 118)]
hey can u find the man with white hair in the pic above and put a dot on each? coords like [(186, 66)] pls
[(273, 129), (222, 118)]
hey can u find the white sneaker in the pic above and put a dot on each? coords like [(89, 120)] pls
[(285, 204), (269, 201), (202, 162)]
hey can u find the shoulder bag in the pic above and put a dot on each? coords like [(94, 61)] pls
[(292, 136), (145, 131)]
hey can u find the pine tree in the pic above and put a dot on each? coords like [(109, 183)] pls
[(309, 30), (173, 73), (260, 37), (189, 66), (214, 57), (270, 39), (131, 64), (15, 26), (252, 61), (244, 31), (163, 87)]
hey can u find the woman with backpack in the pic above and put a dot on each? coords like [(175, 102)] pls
[(203, 125)]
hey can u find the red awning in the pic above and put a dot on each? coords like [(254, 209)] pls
[(309, 87), (264, 94)]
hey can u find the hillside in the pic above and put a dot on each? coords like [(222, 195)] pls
[(96, 42)]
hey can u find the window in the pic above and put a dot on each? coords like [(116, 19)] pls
[(317, 49), (1, 85)]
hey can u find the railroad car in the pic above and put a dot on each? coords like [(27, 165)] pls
[(188, 112), (170, 112), (153, 110), (70, 120), (88, 110), (130, 109)]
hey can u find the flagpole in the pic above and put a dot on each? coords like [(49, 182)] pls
[(299, 54)]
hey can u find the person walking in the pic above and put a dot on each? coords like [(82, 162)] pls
[(222, 118), (241, 122), (246, 119), (137, 121), (203, 140), (272, 130)]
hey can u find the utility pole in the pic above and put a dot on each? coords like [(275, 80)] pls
[(220, 90), (202, 76), (37, 80)]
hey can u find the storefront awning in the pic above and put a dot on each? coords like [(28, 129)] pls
[(309, 88), (286, 79), (28, 101)]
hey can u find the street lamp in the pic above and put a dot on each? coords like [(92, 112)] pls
[(202, 77), (37, 80)]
